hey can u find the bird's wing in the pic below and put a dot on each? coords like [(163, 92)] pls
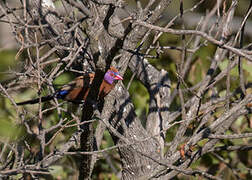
[(77, 90)]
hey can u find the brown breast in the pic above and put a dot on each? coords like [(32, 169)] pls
[(79, 90)]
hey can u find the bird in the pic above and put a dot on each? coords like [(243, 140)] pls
[(77, 90)]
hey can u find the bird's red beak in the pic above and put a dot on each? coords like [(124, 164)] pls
[(118, 77)]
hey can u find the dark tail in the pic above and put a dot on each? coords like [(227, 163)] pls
[(34, 101)]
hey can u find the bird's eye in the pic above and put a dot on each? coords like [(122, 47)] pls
[(111, 74)]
